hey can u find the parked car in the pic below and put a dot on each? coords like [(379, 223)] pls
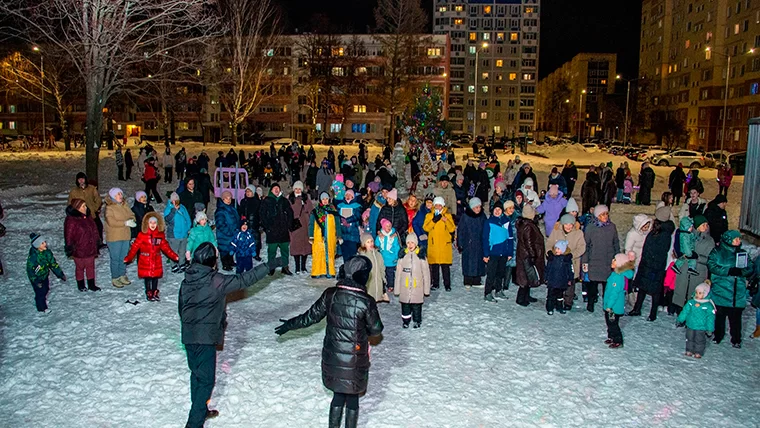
[(738, 162), (715, 157), (687, 158), (590, 146)]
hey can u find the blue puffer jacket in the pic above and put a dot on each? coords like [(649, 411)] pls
[(374, 213), (226, 226), (243, 245), (559, 270), (498, 237), (178, 222), (350, 225), (389, 247), (417, 222)]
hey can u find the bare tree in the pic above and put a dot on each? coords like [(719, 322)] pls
[(109, 42), (400, 24), (247, 57), (557, 110)]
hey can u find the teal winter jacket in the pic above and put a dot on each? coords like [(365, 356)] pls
[(727, 290), (198, 235), (699, 315), (614, 291)]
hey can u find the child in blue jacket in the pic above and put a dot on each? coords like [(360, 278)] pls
[(614, 297), (698, 315), (388, 245), (243, 248), (559, 276)]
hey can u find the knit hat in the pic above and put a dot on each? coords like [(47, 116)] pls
[(567, 219), (252, 188), (444, 178), (439, 201), (623, 258), (555, 170), (298, 185), (339, 177), (36, 239), (474, 202), (529, 212), (561, 245), (393, 194), (139, 194), (699, 220), (174, 197), (412, 238), (520, 193), (704, 288), (502, 185), (600, 209), (662, 214), (366, 237), (277, 185), (528, 182), (324, 195), (113, 192), (571, 205), (77, 203), (351, 192), (200, 215), (459, 177), (374, 186), (509, 204), (517, 159), (482, 165), (720, 199), (384, 221), (226, 194)]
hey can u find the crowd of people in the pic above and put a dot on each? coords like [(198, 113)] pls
[(400, 241)]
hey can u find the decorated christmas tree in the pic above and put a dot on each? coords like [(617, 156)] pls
[(428, 169), (423, 124)]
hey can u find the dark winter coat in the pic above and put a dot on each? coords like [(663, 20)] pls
[(204, 187), (352, 317), (80, 234), (140, 210), (687, 283), (324, 180), (695, 182), (299, 238), (227, 224), (717, 219), (530, 252), (188, 200), (483, 184), (728, 290), (398, 218), (602, 243), (39, 264), (202, 301), (675, 182), (522, 176), (620, 178), (461, 194), (559, 270), (276, 218), (650, 276), (571, 176), (150, 244), (248, 209), (560, 181), (311, 177), (470, 242), (417, 225), (590, 191)]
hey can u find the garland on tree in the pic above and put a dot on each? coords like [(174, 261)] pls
[(423, 125)]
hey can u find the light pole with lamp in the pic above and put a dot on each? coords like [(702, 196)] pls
[(580, 109), (42, 90), (475, 106), (627, 102), (559, 117)]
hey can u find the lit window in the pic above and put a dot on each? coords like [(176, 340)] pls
[(736, 29), (12, 124), (442, 9), (337, 51), (499, 37), (12, 109), (485, 76), (527, 76), (497, 129), (269, 52), (528, 10), (499, 63), (360, 108), (458, 21), (603, 81), (486, 9), (1, 125), (473, 49), (337, 71), (708, 54), (484, 88), (318, 127), (484, 115), (335, 127), (486, 36), (458, 8), (473, 37), (513, 37), (434, 51), (471, 89), (499, 76), (512, 76), (753, 89), (359, 128)]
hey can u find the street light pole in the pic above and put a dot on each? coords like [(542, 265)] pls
[(475, 106), (627, 99), (725, 105), (580, 122), (42, 90)]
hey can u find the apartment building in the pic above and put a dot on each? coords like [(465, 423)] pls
[(583, 82), (493, 64), (685, 50)]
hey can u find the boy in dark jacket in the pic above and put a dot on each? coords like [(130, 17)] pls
[(352, 317), (201, 312), (498, 247), (243, 248), (38, 266), (559, 276)]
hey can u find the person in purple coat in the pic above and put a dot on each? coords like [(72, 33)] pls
[(552, 207)]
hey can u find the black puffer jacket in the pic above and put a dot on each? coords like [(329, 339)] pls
[(352, 317), (202, 301), (276, 216), (249, 211), (650, 277), (397, 216), (140, 210)]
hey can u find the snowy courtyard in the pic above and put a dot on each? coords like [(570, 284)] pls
[(97, 361)]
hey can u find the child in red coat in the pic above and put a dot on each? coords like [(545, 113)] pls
[(150, 243)]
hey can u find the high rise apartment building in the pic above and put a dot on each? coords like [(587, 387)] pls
[(493, 64), (684, 51)]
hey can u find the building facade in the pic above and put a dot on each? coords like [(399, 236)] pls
[(493, 64), (684, 56), (571, 99)]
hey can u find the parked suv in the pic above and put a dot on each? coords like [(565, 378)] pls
[(687, 158)]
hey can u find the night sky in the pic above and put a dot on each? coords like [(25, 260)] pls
[(567, 26)]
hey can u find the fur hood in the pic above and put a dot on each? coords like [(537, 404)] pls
[(161, 225), (631, 265)]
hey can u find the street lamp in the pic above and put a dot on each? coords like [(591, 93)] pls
[(559, 118), (42, 89), (627, 101), (475, 107), (580, 108)]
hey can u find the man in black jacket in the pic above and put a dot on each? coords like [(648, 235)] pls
[(717, 217), (201, 312), (276, 216)]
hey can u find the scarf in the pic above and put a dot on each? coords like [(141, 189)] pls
[(600, 223), (321, 212), (387, 243)]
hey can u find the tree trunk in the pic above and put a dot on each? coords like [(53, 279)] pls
[(234, 134), (94, 123), (65, 132)]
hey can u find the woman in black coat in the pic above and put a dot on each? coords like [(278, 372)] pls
[(470, 242), (675, 183), (352, 317), (529, 272), (650, 276)]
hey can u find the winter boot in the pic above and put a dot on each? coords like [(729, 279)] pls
[(755, 334), (175, 268), (693, 272), (116, 282), (675, 269), (560, 306), (336, 416), (286, 271), (156, 297), (615, 345), (91, 285), (211, 414), (352, 418), (500, 294), (149, 295), (271, 272), (183, 268), (124, 280), (80, 285), (417, 324), (489, 298)]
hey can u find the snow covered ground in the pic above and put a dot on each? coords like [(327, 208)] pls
[(96, 361)]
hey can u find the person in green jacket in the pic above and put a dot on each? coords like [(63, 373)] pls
[(687, 240), (614, 296), (729, 272), (38, 266), (199, 234), (698, 315)]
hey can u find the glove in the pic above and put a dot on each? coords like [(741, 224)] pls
[(282, 328), (680, 324), (340, 241), (437, 218), (460, 249), (130, 223), (187, 255), (734, 271)]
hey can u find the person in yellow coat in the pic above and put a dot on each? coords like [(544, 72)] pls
[(324, 236), (439, 226)]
